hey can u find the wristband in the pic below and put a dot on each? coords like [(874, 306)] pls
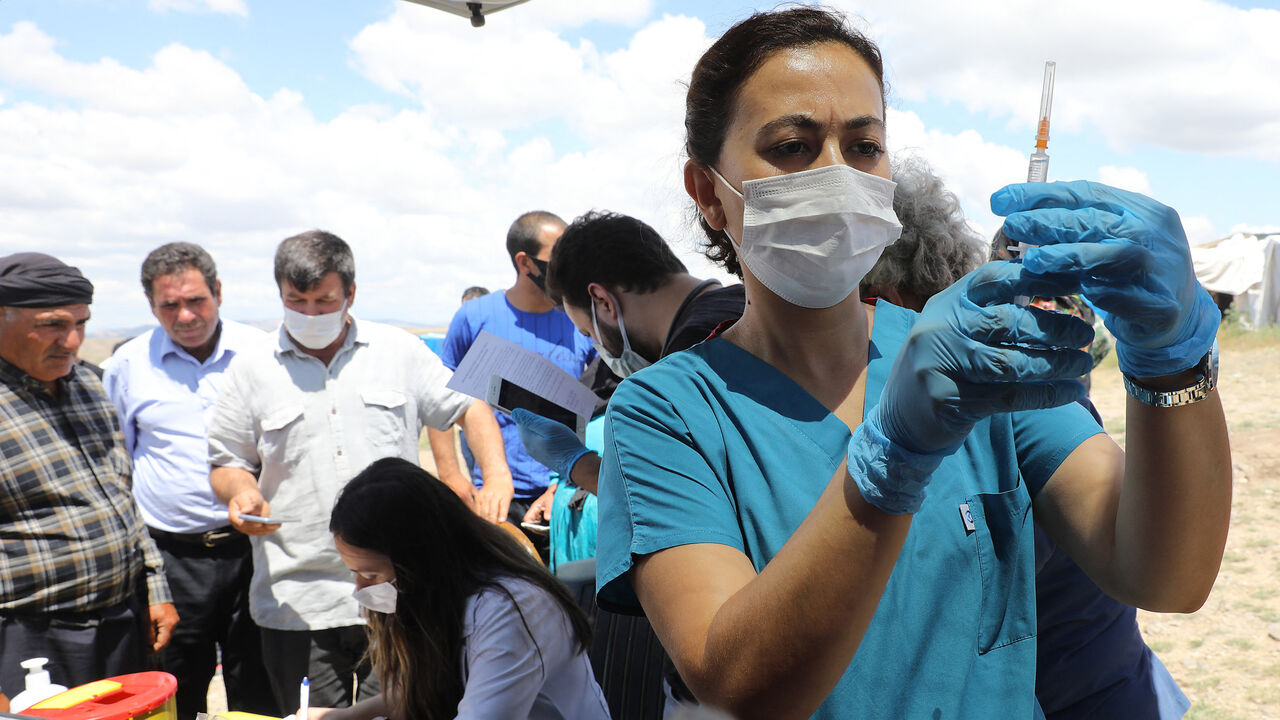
[(565, 467), (888, 475)]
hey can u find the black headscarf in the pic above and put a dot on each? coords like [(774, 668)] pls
[(37, 280)]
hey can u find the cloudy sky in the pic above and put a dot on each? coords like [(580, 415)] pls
[(125, 124)]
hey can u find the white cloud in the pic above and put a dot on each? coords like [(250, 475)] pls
[(28, 57), (511, 117), (1125, 178), (971, 166), (1200, 230), (517, 76), (1194, 75), (125, 159), (230, 7), (1256, 229)]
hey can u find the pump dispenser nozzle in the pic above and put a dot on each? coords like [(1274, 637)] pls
[(37, 676)]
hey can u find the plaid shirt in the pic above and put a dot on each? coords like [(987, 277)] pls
[(71, 538)]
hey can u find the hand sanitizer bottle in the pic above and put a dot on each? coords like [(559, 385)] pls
[(39, 686)]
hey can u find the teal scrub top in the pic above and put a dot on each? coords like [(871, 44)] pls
[(713, 445), (573, 532)]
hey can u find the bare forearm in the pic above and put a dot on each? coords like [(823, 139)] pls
[(1175, 504), (485, 441), (448, 470), (586, 472), (367, 709), (808, 630), (227, 482)]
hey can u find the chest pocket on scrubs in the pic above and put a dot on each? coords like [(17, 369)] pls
[(384, 417), (1006, 558), (276, 429)]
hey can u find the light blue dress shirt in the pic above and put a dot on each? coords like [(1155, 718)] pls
[(165, 399)]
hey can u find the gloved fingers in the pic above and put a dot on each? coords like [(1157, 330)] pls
[(1049, 226), (1147, 350), (1109, 258), (1075, 194), (533, 425), (1001, 281), (1133, 304), (1009, 363), (984, 400), (1009, 324), (534, 422)]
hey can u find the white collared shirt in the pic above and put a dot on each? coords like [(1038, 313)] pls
[(305, 429), (165, 399)]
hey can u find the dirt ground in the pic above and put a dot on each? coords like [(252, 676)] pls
[(1226, 657)]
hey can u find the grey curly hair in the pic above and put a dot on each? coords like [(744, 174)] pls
[(937, 246)]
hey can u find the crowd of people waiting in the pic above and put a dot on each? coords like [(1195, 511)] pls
[(863, 482)]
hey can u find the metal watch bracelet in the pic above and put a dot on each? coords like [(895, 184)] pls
[(1206, 380)]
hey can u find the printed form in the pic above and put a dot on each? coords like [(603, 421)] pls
[(490, 355)]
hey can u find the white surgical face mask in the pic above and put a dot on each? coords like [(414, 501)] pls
[(811, 236), (380, 598), (630, 361), (314, 332)]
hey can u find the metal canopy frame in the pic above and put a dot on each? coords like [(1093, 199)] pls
[(473, 10)]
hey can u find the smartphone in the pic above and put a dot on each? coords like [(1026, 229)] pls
[(536, 528), (507, 396), (265, 520)]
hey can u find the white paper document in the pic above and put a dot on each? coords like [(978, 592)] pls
[(491, 355)]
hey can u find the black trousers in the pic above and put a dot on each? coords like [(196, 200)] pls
[(210, 588), (81, 646), (330, 659)]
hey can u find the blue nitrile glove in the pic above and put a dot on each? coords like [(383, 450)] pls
[(1131, 259), (549, 442), (971, 354)]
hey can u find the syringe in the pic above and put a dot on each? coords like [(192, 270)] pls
[(1038, 168)]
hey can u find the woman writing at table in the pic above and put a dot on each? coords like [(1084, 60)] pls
[(463, 622), (826, 510)]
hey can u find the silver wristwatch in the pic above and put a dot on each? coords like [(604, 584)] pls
[(1206, 380)]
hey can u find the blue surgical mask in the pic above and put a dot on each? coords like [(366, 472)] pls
[(630, 362)]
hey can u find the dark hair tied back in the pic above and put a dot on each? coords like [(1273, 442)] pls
[(729, 62)]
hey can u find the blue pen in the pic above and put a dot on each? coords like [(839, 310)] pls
[(304, 698)]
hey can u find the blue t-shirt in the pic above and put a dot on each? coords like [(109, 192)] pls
[(550, 334), (713, 445)]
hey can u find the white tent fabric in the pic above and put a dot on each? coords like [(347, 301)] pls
[(1267, 309), (1247, 266)]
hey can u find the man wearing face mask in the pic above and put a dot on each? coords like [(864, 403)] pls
[(525, 315), (294, 422), (623, 287)]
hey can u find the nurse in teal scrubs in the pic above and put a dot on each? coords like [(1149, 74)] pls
[(826, 510)]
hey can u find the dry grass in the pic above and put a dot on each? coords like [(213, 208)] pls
[(1226, 657)]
